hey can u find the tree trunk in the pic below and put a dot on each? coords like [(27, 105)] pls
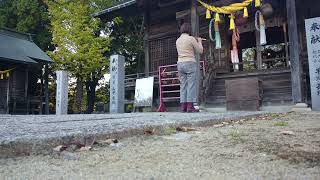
[(79, 95), (91, 95)]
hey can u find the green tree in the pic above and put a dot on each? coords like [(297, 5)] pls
[(128, 34), (79, 47), (30, 16)]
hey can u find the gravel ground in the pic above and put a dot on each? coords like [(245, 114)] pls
[(255, 149)]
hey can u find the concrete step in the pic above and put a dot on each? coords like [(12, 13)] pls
[(216, 101)]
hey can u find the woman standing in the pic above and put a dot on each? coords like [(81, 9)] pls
[(187, 47)]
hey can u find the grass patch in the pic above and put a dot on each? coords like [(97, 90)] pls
[(169, 131), (278, 115), (281, 124), (235, 135)]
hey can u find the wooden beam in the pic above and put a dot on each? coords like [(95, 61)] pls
[(146, 52), (286, 42), (194, 18), (8, 94), (296, 69), (195, 33), (46, 88), (258, 50), (146, 40), (41, 89), (26, 84)]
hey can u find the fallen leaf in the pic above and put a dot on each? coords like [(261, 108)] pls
[(149, 132), (218, 125), (85, 148), (185, 129), (60, 148), (77, 143), (287, 133), (110, 141)]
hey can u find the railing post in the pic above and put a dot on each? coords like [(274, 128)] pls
[(195, 33)]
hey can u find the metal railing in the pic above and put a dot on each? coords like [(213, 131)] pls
[(130, 79)]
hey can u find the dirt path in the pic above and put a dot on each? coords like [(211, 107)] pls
[(255, 149)]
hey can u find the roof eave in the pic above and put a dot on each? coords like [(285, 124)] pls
[(42, 60), (30, 61), (114, 8)]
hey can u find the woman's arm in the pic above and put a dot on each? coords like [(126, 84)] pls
[(197, 45)]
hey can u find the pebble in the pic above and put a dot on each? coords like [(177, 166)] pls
[(287, 132), (218, 125)]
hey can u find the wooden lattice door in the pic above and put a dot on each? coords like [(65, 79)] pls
[(163, 52)]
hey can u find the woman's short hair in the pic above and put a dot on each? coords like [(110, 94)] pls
[(185, 28)]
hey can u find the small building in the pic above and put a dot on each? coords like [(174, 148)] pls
[(281, 64), (23, 75)]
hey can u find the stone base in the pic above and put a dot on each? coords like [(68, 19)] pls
[(301, 107)]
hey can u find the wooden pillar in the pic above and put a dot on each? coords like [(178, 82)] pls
[(26, 84), (296, 69), (195, 33), (41, 90), (46, 89), (8, 93), (258, 50), (286, 43), (146, 40)]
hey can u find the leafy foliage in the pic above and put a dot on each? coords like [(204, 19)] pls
[(128, 39), (80, 48), (73, 38), (29, 16)]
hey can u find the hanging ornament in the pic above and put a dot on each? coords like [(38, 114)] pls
[(232, 24), (217, 34), (230, 9), (261, 27), (257, 3), (266, 10), (217, 37), (5, 73), (210, 30), (245, 12), (234, 51), (217, 18), (208, 14)]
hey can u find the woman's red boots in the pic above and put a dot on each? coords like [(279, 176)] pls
[(191, 109)]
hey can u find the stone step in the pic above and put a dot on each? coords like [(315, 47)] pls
[(277, 91), (216, 100), (273, 98)]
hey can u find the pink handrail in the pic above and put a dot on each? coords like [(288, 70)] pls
[(161, 71)]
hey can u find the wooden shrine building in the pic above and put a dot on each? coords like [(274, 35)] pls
[(281, 65), (23, 75)]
